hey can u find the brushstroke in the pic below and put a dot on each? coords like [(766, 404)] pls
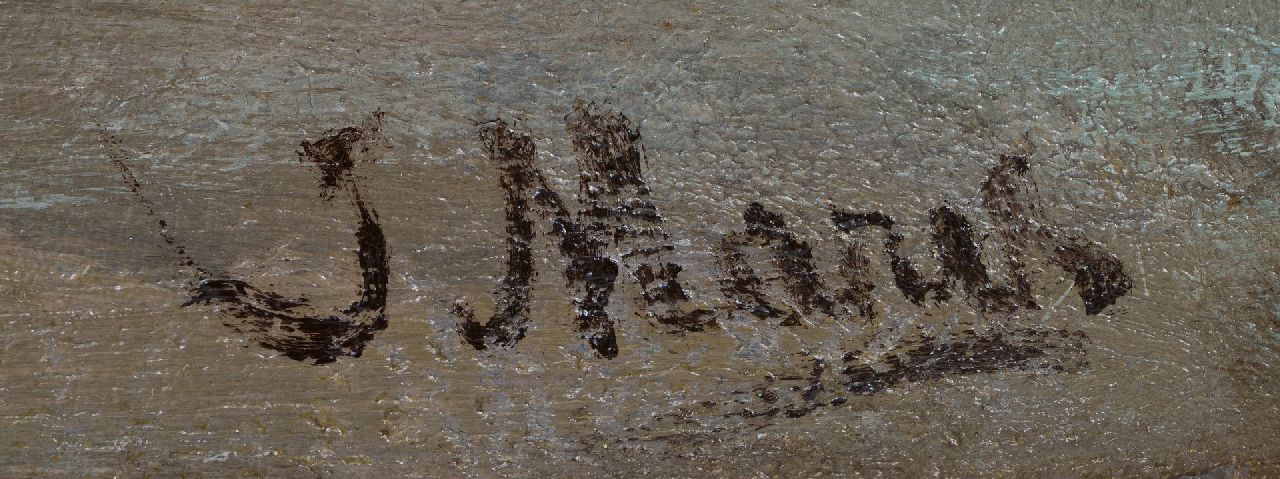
[(293, 326), (618, 208), (791, 255), (742, 286), (969, 353), (1098, 274), (513, 153)]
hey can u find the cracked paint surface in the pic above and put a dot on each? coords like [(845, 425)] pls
[(754, 184)]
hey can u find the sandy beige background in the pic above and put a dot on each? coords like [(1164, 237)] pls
[(1152, 129)]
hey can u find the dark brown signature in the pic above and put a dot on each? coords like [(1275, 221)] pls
[(613, 230)]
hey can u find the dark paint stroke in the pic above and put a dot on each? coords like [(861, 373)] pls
[(618, 209), (593, 276), (513, 153), (588, 271), (332, 154), (1010, 195), (292, 326), (117, 155), (855, 267), (961, 257), (312, 335), (793, 257), (928, 359), (970, 353), (810, 388), (905, 275), (742, 286), (1099, 275)]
